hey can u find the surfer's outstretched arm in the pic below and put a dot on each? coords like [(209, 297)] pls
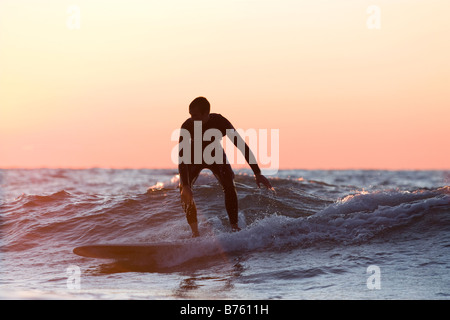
[(240, 143)]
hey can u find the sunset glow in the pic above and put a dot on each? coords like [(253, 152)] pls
[(111, 92)]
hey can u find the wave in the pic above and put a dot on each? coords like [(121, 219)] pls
[(302, 213), (349, 221), (353, 220)]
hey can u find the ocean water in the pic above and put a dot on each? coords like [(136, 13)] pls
[(322, 235)]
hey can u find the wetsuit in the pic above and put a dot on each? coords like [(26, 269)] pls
[(222, 171)]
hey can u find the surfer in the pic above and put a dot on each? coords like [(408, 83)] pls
[(189, 167)]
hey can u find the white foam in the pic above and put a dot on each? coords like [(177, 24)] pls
[(354, 219)]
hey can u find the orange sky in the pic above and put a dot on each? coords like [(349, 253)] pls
[(110, 93)]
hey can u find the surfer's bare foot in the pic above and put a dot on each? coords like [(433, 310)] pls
[(194, 228), (235, 228)]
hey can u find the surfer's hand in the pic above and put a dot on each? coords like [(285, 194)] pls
[(186, 195), (261, 179)]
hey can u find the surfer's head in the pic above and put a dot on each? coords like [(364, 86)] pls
[(199, 109)]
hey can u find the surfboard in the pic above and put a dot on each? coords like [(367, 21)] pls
[(128, 251)]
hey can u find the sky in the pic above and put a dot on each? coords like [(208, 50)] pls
[(92, 83)]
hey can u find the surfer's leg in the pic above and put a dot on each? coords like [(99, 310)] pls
[(191, 215), (224, 173), (190, 209), (191, 212)]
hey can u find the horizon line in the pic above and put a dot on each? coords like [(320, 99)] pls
[(239, 168)]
